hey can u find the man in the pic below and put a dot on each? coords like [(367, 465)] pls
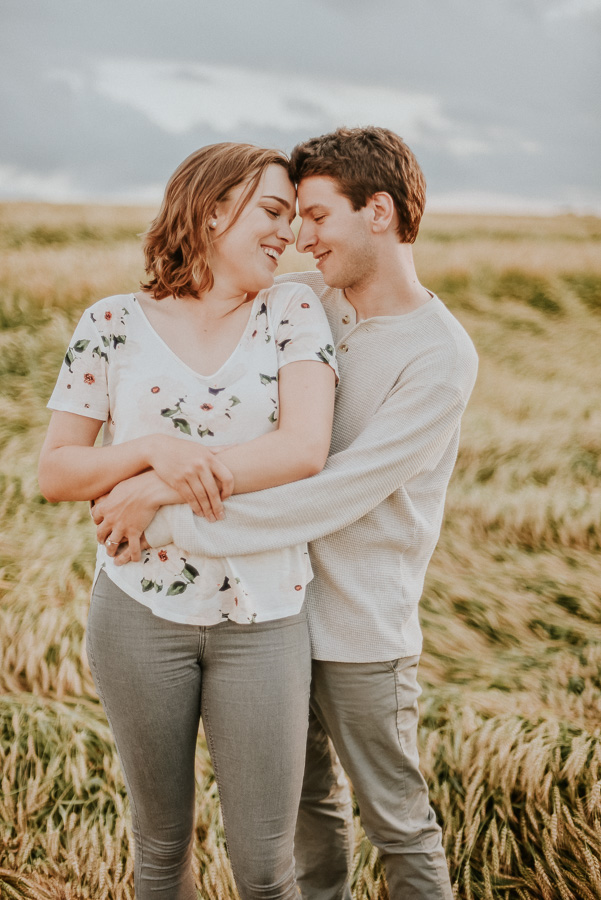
[(373, 515)]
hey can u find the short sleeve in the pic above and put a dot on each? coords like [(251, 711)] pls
[(82, 384), (301, 327)]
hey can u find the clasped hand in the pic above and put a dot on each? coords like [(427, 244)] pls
[(196, 473), (183, 472)]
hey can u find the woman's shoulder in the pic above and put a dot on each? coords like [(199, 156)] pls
[(287, 295), (115, 304), (109, 313)]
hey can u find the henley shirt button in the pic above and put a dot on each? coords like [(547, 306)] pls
[(343, 348), (346, 320)]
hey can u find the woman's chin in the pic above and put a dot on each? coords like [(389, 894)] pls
[(260, 284)]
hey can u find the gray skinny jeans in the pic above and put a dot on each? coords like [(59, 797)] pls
[(366, 714), (250, 684)]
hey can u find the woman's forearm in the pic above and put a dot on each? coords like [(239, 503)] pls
[(274, 459), (74, 472)]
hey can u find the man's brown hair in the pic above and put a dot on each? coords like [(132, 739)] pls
[(177, 245), (364, 161)]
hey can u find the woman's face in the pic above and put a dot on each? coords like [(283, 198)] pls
[(244, 257)]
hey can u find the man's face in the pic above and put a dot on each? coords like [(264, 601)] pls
[(339, 237)]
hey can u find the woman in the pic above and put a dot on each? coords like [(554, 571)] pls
[(215, 379)]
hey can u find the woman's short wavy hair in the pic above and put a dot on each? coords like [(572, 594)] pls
[(177, 245)]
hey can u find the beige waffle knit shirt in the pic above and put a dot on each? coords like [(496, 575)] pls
[(373, 514)]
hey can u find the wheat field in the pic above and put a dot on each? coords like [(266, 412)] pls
[(511, 670)]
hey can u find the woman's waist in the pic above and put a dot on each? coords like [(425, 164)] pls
[(171, 571)]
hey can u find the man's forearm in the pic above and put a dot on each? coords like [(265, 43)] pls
[(354, 482)]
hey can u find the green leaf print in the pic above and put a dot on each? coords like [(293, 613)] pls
[(326, 353), (119, 339), (183, 425), (147, 584), (273, 417), (190, 572), (100, 353), (178, 587), (178, 422), (105, 340), (234, 401), (267, 379), (78, 347), (202, 432)]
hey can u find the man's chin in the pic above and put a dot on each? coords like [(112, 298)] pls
[(332, 282)]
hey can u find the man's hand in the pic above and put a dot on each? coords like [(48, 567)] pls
[(124, 513), (123, 554)]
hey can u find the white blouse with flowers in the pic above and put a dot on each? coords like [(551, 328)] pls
[(118, 370)]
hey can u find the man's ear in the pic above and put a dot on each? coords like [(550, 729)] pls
[(382, 211)]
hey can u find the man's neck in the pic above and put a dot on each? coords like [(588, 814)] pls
[(394, 290)]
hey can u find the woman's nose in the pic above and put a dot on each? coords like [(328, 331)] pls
[(286, 233), (304, 240)]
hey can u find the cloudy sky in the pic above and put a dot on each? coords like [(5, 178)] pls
[(101, 99)]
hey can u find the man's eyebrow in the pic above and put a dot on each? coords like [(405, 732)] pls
[(309, 209), (279, 200)]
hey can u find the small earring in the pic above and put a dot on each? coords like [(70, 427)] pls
[(213, 223)]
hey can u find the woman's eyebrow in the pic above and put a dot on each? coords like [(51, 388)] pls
[(279, 199)]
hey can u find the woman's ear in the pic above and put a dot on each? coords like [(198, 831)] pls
[(382, 211), (213, 218)]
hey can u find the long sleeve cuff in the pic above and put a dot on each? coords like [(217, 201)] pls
[(159, 533)]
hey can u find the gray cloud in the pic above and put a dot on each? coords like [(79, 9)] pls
[(507, 75)]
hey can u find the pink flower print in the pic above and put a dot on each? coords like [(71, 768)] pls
[(206, 406), (155, 389), (108, 315), (162, 555), (305, 306), (89, 378), (298, 587)]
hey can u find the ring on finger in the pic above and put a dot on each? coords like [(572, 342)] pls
[(116, 543)]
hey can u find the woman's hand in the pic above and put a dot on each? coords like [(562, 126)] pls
[(123, 514), (195, 472)]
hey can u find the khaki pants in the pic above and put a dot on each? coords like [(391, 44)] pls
[(369, 712)]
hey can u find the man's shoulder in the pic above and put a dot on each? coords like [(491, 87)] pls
[(314, 280), (456, 331), (454, 344)]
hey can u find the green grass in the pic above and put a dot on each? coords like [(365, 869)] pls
[(511, 609)]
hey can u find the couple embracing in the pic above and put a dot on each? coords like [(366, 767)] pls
[(220, 394)]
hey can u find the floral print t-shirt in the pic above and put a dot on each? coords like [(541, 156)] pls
[(119, 370)]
